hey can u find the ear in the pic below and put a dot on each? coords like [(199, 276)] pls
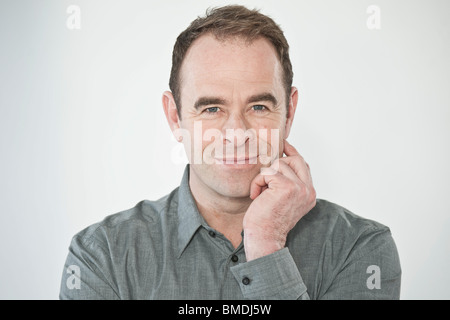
[(293, 99), (171, 111)]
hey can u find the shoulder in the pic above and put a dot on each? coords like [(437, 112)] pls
[(332, 231), (329, 225), (332, 216), (342, 249), (146, 217)]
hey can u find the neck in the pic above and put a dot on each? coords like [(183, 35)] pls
[(222, 213)]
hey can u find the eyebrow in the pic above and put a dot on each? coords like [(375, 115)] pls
[(206, 101), (263, 97)]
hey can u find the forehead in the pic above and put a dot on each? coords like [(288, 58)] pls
[(212, 64)]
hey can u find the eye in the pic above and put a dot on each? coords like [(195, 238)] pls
[(211, 110), (259, 108)]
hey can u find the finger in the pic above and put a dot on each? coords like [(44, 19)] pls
[(262, 181), (296, 162), (289, 149), (276, 176), (257, 186), (299, 167), (285, 169)]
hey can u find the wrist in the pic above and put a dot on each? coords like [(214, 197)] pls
[(258, 244)]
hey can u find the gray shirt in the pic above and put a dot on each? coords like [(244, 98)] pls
[(164, 249)]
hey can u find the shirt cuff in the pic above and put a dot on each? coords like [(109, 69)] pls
[(274, 276)]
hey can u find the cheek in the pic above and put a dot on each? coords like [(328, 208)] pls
[(273, 133), (274, 121), (210, 135), (205, 139), (270, 140)]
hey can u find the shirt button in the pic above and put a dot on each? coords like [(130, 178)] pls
[(234, 258), (246, 281), (212, 233)]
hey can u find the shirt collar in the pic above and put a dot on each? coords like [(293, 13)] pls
[(189, 218)]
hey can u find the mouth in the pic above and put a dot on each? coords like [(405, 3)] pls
[(236, 161)]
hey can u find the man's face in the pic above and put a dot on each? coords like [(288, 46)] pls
[(232, 87)]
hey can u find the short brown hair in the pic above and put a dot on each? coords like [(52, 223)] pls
[(225, 22)]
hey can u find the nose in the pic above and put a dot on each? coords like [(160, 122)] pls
[(235, 131)]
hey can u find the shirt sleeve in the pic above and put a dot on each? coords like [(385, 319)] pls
[(86, 273), (274, 276), (371, 270)]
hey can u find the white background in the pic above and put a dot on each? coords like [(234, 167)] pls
[(83, 134)]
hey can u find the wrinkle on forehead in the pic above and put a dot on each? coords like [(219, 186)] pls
[(230, 64), (207, 52)]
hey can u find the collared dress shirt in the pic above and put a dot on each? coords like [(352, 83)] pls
[(164, 249)]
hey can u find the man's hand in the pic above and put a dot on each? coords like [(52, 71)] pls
[(282, 195)]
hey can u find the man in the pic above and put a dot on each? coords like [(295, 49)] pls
[(244, 222)]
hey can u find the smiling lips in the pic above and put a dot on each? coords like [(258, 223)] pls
[(236, 160)]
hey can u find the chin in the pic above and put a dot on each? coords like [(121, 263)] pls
[(228, 180), (234, 181), (234, 191)]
